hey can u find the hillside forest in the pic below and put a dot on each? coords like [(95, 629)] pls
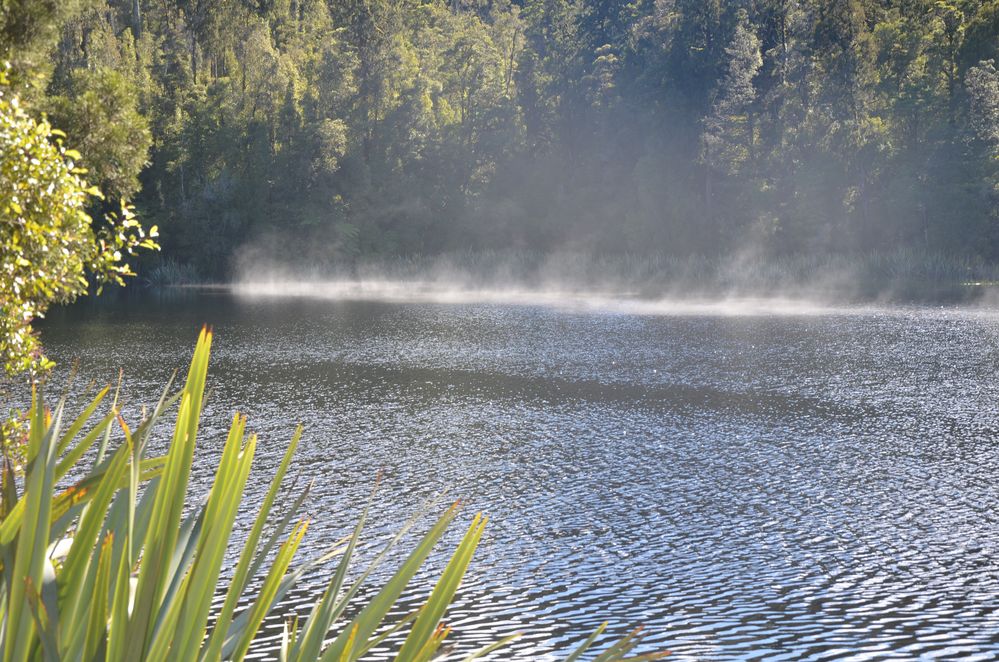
[(345, 129)]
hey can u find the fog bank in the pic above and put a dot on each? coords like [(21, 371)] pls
[(747, 284)]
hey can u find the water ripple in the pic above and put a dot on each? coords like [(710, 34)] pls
[(756, 487)]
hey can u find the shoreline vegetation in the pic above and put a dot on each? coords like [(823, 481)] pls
[(902, 276)]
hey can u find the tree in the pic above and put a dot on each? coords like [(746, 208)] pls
[(728, 133), (983, 88), (27, 29), (422, 125), (100, 112), (844, 50), (48, 244)]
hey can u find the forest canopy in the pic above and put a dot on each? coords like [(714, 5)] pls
[(387, 127)]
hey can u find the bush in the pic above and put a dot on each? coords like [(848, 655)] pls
[(49, 246), (169, 273)]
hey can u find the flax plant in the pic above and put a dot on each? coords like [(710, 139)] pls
[(119, 566)]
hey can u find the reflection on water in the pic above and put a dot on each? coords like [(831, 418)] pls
[(807, 486)]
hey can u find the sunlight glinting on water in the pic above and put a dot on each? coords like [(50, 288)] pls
[(788, 486)]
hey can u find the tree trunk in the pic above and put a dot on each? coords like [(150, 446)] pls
[(708, 194), (194, 59), (136, 20)]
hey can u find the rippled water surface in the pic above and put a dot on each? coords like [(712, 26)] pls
[(757, 486)]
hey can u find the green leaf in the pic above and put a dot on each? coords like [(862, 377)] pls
[(374, 612), (96, 637), (80, 421), (71, 576), (32, 542), (585, 646), (223, 502), (442, 594), (168, 508), (241, 575), (317, 625), (486, 650), (265, 597)]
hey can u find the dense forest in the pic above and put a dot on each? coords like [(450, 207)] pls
[(353, 128)]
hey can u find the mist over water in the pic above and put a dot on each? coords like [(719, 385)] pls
[(743, 285), (564, 299)]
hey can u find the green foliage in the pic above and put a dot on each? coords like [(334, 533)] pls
[(340, 131), (48, 242), (983, 88), (100, 110), (28, 28)]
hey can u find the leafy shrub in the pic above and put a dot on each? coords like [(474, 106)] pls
[(48, 243)]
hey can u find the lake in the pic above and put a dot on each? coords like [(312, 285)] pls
[(815, 484)]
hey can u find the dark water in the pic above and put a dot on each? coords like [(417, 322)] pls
[(777, 487)]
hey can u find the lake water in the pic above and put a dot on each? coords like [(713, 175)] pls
[(796, 486)]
